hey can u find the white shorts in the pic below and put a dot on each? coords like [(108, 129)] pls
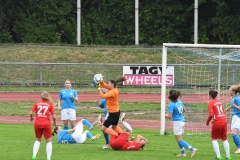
[(178, 127), (235, 122), (68, 114), (78, 135)]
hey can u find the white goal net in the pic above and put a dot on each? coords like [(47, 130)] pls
[(197, 69)]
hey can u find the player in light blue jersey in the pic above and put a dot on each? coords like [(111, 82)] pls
[(66, 105), (235, 106), (78, 135), (102, 104), (175, 112)]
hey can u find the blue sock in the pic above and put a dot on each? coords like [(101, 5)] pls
[(106, 136), (181, 148), (87, 123), (65, 127), (236, 140), (185, 145), (89, 135), (73, 127)]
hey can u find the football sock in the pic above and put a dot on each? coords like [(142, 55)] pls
[(236, 140), (87, 123), (111, 132), (216, 148), (73, 127), (181, 149), (65, 127), (89, 135), (127, 126), (226, 147), (106, 136), (118, 129), (36, 148), (185, 145), (49, 150)]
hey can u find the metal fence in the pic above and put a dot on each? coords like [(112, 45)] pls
[(81, 74)]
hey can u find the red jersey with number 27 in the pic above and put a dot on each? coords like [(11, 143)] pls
[(216, 111), (43, 110)]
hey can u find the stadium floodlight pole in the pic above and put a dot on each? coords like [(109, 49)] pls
[(163, 89), (136, 23), (78, 22), (196, 22)]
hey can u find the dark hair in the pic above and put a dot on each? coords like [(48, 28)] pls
[(55, 131), (142, 146), (213, 93), (173, 95), (119, 79)]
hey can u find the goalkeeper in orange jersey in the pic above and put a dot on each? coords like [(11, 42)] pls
[(112, 105)]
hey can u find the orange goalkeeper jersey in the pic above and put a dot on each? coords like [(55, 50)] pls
[(111, 98)]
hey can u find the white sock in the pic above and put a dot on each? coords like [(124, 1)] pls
[(127, 126), (216, 148), (226, 147), (49, 150), (36, 148)]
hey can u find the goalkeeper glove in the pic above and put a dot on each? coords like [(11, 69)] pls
[(95, 84), (102, 75)]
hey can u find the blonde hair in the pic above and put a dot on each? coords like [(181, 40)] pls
[(235, 88), (46, 97)]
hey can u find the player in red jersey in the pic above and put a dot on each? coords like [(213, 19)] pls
[(42, 124), (219, 124), (121, 141)]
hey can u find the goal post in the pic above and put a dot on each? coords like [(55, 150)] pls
[(197, 69)]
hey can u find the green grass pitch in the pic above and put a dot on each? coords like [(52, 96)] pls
[(17, 141)]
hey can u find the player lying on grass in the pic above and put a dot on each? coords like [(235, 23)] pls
[(78, 135), (121, 141)]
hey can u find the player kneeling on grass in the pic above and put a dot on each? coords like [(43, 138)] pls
[(78, 135)]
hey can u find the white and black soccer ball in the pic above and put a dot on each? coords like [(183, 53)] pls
[(98, 78)]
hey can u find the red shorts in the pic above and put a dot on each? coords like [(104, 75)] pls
[(118, 142), (46, 131), (219, 130)]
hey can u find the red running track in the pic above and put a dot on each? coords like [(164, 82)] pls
[(122, 97), (190, 98)]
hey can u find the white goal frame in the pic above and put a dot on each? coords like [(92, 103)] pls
[(164, 65)]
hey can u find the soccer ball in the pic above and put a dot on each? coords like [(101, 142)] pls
[(98, 78)]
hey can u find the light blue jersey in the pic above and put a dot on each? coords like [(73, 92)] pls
[(176, 108), (64, 137), (103, 105), (66, 97), (235, 111)]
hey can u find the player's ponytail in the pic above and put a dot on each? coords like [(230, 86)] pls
[(55, 131), (119, 79)]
